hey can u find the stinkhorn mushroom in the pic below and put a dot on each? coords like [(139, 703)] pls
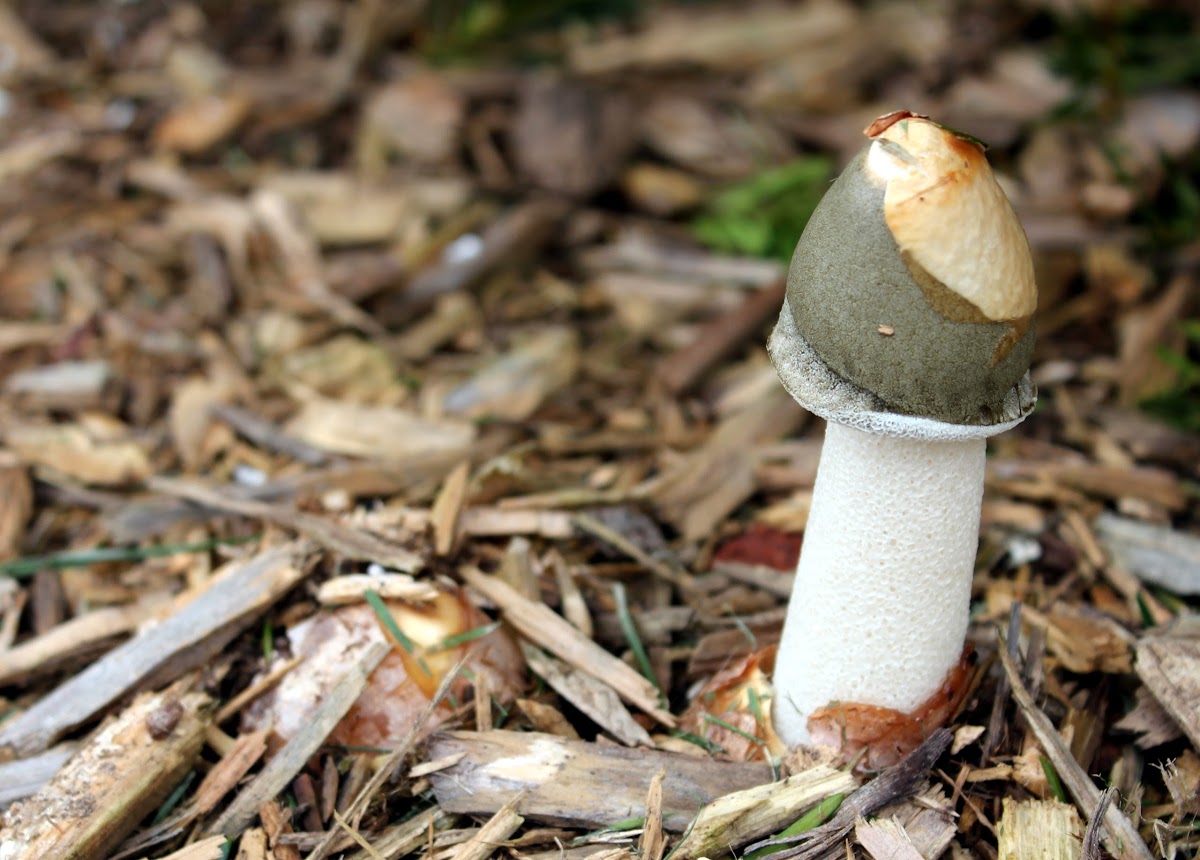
[(907, 326)]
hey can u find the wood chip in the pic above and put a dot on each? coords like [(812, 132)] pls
[(29, 152), (228, 772), (928, 819), (253, 845), (570, 136), (885, 839), (23, 777), (741, 817), (718, 339), (507, 240), (200, 123), (447, 508), (353, 544), (595, 699), (1149, 721), (720, 38), (267, 435), (93, 804), (577, 783), (396, 842), (897, 781), (1155, 554), (706, 486), (1156, 486), (81, 635), (547, 718), (511, 386), (652, 843), (434, 766), (1039, 828), (539, 624), (1169, 666), (65, 385), (212, 848), (383, 433), (16, 503), (301, 262), (351, 588), (80, 453)]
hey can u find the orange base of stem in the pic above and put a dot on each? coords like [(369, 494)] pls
[(885, 734)]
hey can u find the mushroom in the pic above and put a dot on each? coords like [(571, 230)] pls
[(907, 326)]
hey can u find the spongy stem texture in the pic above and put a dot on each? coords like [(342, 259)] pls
[(879, 610)]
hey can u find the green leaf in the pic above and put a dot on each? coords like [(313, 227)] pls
[(1056, 786), (464, 637), (26, 566), (632, 637), (815, 817), (389, 622)]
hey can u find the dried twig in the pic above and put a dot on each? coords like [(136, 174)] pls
[(575, 782), (996, 721), (1091, 836)]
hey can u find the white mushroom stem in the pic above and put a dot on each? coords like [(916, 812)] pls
[(880, 606)]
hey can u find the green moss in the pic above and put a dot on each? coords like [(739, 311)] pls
[(762, 216), (462, 30), (1180, 405), (1129, 50)]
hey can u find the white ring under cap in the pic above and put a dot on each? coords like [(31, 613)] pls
[(821, 391)]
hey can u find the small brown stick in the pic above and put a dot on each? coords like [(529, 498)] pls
[(1123, 840), (356, 836), (252, 692), (996, 722), (683, 368), (1091, 835), (893, 783)]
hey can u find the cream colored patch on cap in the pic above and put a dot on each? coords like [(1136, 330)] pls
[(947, 212)]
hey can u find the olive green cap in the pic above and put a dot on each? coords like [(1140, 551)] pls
[(911, 290)]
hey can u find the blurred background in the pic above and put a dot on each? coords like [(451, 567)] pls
[(173, 170)]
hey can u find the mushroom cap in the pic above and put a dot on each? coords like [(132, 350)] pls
[(912, 287)]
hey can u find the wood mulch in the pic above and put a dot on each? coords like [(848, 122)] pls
[(385, 465)]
